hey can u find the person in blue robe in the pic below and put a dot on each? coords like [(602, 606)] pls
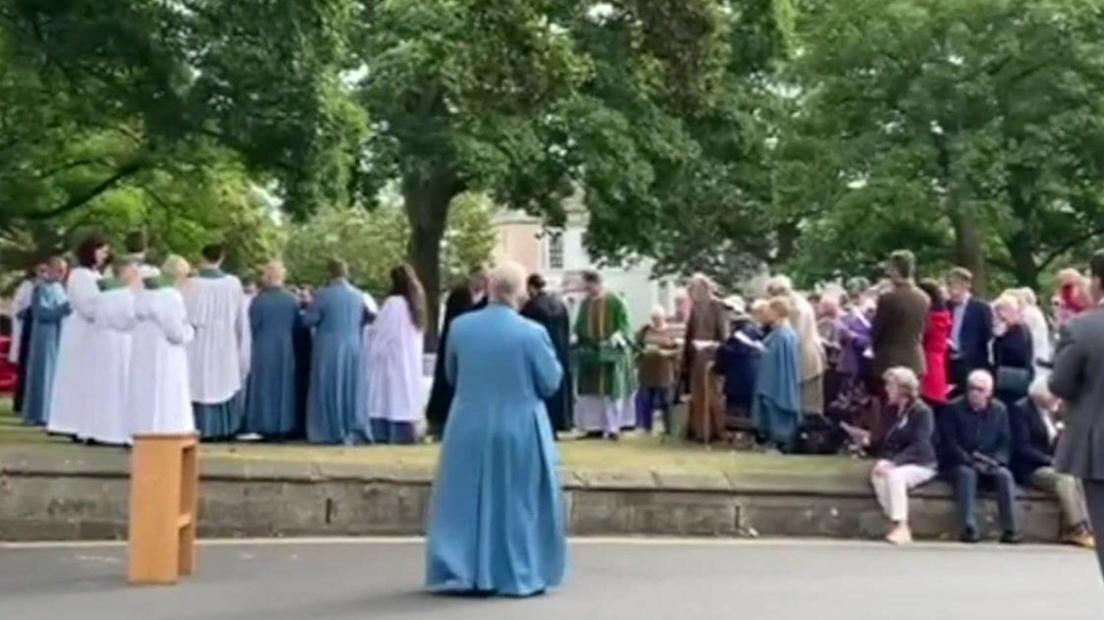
[(49, 306), (776, 410), (271, 395), (496, 523), (337, 315)]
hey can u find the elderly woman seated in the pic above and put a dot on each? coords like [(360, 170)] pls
[(906, 455)]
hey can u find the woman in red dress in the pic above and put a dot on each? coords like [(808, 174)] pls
[(937, 339)]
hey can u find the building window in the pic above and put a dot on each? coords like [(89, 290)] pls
[(555, 251)]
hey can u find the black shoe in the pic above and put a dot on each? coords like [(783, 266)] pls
[(1011, 538), (613, 437), (969, 536)]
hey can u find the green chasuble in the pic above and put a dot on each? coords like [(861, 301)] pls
[(603, 369)]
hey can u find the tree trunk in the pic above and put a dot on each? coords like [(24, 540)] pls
[(1021, 244), (969, 251), (427, 206)]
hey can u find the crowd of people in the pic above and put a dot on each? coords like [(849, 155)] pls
[(113, 347), (922, 376)]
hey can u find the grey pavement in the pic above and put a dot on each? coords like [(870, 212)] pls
[(680, 580)]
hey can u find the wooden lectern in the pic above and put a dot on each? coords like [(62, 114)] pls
[(164, 480)]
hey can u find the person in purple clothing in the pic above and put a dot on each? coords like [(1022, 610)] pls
[(854, 361)]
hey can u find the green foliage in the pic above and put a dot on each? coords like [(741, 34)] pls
[(968, 130), (371, 243), (470, 238)]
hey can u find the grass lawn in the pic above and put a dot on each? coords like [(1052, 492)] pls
[(633, 453)]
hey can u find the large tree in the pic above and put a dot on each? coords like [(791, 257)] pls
[(969, 130)]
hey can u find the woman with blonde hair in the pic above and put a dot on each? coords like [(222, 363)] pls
[(1013, 352), (813, 362), (1037, 325), (776, 410)]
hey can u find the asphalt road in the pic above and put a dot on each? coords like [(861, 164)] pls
[(679, 580)]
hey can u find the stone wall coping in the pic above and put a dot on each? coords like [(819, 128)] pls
[(842, 480)]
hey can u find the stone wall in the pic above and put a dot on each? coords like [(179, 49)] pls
[(43, 498)]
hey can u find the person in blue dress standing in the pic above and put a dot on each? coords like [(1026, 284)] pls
[(496, 523), (776, 409), (49, 306), (337, 314), (271, 396)]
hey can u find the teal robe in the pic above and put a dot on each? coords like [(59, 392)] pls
[(337, 315), (49, 306), (776, 410), (272, 392), (497, 522)]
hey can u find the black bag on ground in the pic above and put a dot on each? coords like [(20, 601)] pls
[(819, 435)]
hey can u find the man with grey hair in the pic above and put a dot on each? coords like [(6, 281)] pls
[(497, 523), (1034, 437), (979, 448)]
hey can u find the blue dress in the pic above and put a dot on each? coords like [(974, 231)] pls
[(337, 315), (776, 411), (497, 521), (49, 306), (271, 396)]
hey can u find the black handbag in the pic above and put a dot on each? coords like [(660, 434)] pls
[(1013, 381)]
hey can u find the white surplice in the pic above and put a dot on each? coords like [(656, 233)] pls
[(365, 357), (115, 320), (78, 357), (218, 356), (396, 390), (20, 302), (159, 399)]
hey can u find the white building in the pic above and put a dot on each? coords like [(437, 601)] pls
[(561, 257)]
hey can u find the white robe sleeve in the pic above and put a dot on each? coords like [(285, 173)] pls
[(121, 314), (83, 292), (173, 320)]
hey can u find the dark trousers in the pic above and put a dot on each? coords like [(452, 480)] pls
[(398, 433), (966, 481), (1094, 498), (647, 401), (21, 370)]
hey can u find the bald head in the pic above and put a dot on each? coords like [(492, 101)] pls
[(274, 274), (506, 284)]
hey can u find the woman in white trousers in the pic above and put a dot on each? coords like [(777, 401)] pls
[(906, 454)]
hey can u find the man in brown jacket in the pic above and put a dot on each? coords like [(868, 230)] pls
[(897, 333)]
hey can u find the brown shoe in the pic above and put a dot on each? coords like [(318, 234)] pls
[(1079, 537)]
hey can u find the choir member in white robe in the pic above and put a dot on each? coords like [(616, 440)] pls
[(21, 332), (115, 320), (362, 426), (396, 389), (218, 356), (79, 350), (158, 398)]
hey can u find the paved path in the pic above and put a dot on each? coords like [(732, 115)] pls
[(666, 580)]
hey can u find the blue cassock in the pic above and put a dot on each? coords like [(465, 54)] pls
[(776, 410), (497, 518), (271, 398), (49, 306), (337, 314)]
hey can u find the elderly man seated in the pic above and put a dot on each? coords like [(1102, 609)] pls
[(979, 449), (1034, 437)]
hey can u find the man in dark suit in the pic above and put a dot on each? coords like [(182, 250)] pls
[(1078, 369), (461, 300), (979, 448), (897, 332), (972, 330), (1034, 436)]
